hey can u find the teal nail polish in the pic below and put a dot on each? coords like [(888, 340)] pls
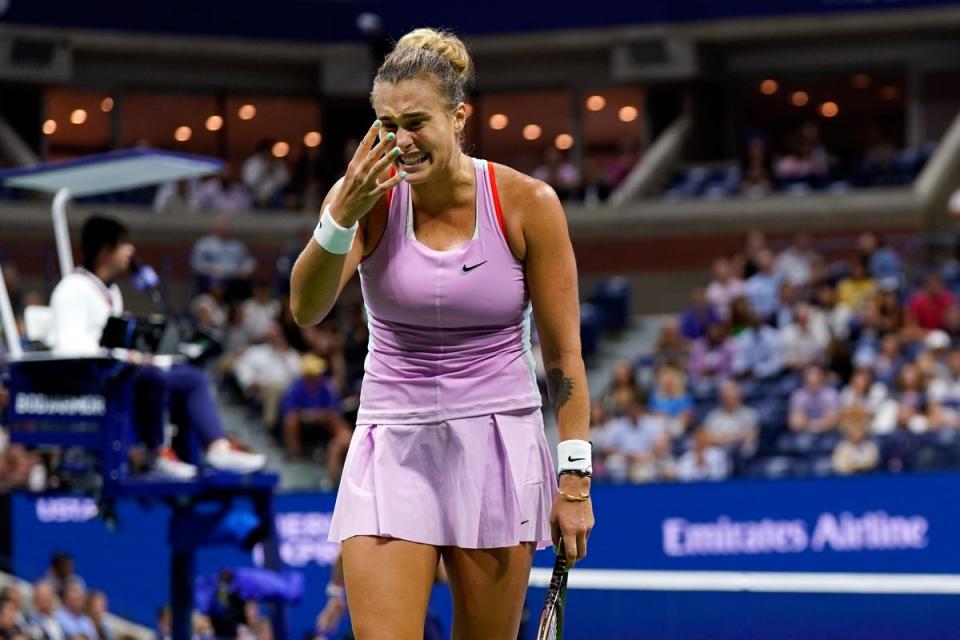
[(390, 137), (403, 174), (395, 151), (377, 123)]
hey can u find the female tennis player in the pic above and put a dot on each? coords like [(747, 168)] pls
[(449, 457)]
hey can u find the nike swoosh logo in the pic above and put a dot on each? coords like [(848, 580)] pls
[(569, 459), (467, 269), (525, 522)]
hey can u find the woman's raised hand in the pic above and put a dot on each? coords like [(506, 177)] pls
[(361, 186)]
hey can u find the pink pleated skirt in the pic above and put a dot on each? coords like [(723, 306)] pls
[(476, 483)]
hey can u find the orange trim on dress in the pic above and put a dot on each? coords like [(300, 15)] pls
[(393, 172), (496, 200)]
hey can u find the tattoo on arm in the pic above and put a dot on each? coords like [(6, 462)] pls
[(559, 389)]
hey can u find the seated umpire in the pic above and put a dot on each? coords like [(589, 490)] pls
[(81, 304)]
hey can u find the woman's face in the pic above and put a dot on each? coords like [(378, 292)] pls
[(909, 378), (670, 382), (426, 129), (860, 381)]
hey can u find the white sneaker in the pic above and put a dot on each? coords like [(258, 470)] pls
[(168, 465), (228, 459)]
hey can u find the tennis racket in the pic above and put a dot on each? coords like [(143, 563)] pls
[(551, 619)]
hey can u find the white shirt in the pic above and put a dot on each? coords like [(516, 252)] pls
[(258, 316), (722, 294), (80, 306), (804, 345), (264, 366), (713, 466)]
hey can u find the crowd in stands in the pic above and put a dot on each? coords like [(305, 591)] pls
[(787, 364), (601, 174), (802, 165), (63, 608)]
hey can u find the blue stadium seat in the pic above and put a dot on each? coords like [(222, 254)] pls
[(590, 329), (611, 297)]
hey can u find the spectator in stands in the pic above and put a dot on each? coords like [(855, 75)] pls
[(805, 340), (72, 617), (260, 311), (622, 388), (881, 259), (671, 345), (222, 193), (878, 157), (911, 397), (702, 461), (311, 405), (12, 593), (951, 323), (9, 630), (889, 360), (164, 623), (176, 196), (203, 629), (762, 288), (266, 176), (265, 371), (628, 155), (235, 341), (671, 401), (856, 453), (43, 620), (596, 188), (724, 288), (745, 263), (711, 357), (209, 310), (309, 180), (807, 161), (794, 264), (756, 167), (18, 466), (220, 257), (814, 407), (758, 351), (742, 316), (889, 311), (788, 297), (636, 445), (864, 392), (943, 405), (61, 572), (857, 287), (558, 172), (325, 340), (836, 316), (598, 426), (945, 390), (732, 426), (97, 611), (699, 316), (929, 306)]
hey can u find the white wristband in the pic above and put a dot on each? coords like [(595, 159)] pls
[(331, 236), (574, 455)]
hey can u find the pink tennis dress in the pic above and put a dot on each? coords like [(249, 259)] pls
[(449, 448)]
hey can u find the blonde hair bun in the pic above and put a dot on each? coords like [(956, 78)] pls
[(444, 44)]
